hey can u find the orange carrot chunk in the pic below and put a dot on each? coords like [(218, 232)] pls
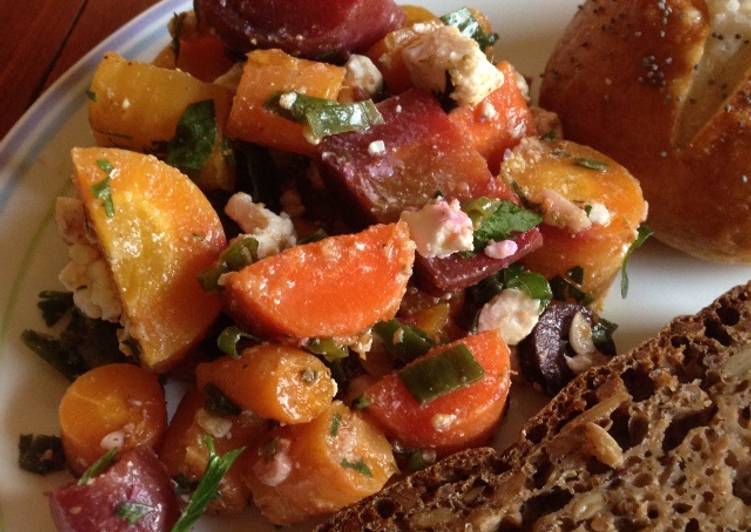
[(273, 381), (117, 405), (423, 411), (338, 286)]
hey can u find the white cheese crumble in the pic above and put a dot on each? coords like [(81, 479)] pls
[(363, 74), (443, 422), (560, 212), (501, 250), (599, 214), (488, 111), (218, 427), (287, 100), (440, 229), (438, 50), (376, 148), (512, 313), (273, 232), (277, 468), (113, 440)]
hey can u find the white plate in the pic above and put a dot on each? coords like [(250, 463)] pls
[(34, 169)]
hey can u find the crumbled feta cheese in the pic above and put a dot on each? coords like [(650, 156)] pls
[(488, 111), (362, 344), (273, 232), (560, 212), (443, 422), (501, 250), (113, 440), (512, 313), (363, 74), (218, 427), (287, 100), (88, 277), (440, 229), (377, 147), (276, 469), (599, 214), (441, 49)]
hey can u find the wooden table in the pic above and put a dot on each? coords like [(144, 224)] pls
[(43, 38)]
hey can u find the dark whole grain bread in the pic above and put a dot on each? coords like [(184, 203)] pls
[(658, 439)]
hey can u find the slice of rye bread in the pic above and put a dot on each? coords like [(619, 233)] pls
[(658, 439)]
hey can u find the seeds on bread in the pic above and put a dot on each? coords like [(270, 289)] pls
[(659, 438)]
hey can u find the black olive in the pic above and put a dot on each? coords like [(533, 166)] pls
[(542, 354)]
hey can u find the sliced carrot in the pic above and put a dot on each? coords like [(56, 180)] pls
[(184, 453), (114, 405), (499, 122), (454, 421), (312, 469), (276, 382), (266, 74), (338, 286)]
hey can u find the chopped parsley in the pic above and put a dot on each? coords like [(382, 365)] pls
[(102, 190), (469, 26), (194, 139), (207, 488), (40, 454), (496, 220), (336, 421), (642, 236), (533, 284), (98, 467), (132, 512), (592, 164), (360, 466)]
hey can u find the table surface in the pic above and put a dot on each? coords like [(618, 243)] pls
[(43, 38)]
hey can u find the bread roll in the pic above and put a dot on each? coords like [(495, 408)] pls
[(664, 87)]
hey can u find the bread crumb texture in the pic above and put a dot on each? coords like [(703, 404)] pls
[(658, 439)]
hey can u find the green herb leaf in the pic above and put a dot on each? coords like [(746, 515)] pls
[(361, 403), (360, 466), (533, 284), (219, 404), (403, 342), (315, 236), (207, 488), (324, 118), (230, 337), (133, 512), (486, 289), (568, 287), (469, 26), (336, 421), (194, 140), (602, 336), (91, 95), (591, 164), (54, 305), (500, 220), (241, 252), (441, 374), (40, 454), (327, 348), (642, 236), (98, 467)]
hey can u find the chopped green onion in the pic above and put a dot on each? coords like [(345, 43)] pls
[(403, 342), (219, 404), (463, 20), (360, 466), (91, 95), (105, 166), (40, 454), (533, 284), (98, 467), (315, 236), (441, 374), (324, 118), (591, 164), (361, 403), (132, 512), (498, 219), (194, 139), (229, 338), (207, 488), (336, 421), (102, 189), (240, 253), (642, 236), (54, 305), (327, 348)]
